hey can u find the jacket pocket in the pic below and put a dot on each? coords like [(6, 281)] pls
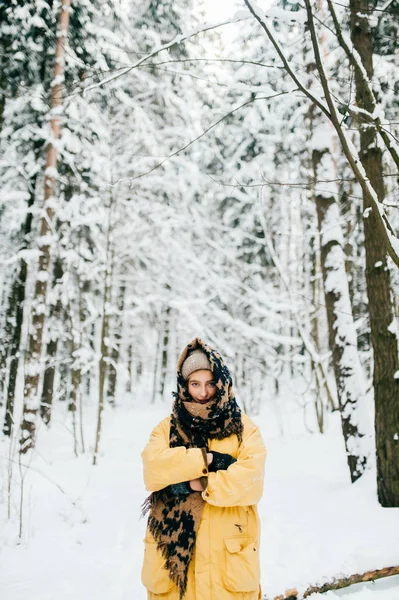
[(154, 576), (242, 570)]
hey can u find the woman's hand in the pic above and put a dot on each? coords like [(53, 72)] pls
[(209, 457), (220, 462), (196, 485)]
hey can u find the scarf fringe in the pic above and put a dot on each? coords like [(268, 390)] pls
[(151, 501), (174, 575)]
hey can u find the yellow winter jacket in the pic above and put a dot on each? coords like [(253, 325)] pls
[(225, 563)]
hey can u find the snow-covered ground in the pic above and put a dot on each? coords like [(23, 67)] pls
[(82, 535)]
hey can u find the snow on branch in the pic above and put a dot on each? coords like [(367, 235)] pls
[(260, 16), (356, 62), (331, 111), (181, 149), (178, 39), (351, 154)]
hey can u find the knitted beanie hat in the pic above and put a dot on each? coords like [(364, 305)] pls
[(195, 361)]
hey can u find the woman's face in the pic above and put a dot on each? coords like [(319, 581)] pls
[(201, 386)]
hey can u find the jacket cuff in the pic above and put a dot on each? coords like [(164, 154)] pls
[(180, 489)]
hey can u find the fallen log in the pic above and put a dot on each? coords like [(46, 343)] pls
[(337, 584)]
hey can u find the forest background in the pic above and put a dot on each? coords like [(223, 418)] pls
[(171, 169)]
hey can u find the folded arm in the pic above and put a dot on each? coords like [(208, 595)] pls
[(241, 484), (163, 466)]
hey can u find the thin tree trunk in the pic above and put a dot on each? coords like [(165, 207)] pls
[(2, 107), (76, 401), (164, 357), (156, 367), (51, 353), (315, 271), (102, 367), (383, 337), (129, 368), (73, 404), (4, 62), (31, 384), (342, 332), (115, 352), (16, 302), (13, 332), (104, 348)]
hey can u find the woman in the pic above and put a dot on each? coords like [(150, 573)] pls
[(204, 466)]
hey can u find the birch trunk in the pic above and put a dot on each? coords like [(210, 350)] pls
[(348, 373), (32, 371)]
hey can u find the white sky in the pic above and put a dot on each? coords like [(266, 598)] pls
[(220, 9)]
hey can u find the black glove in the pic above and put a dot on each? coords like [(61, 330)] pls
[(179, 489), (220, 461)]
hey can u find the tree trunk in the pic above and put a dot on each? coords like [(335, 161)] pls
[(51, 353), (73, 405), (129, 368), (156, 367), (115, 352), (32, 372), (104, 349), (164, 357), (342, 333), (102, 367), (383, 337), (16, 303), (315, 306)]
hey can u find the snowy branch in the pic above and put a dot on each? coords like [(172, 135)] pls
[(360, 71), (179, 150), (176, 40), (260, 17), (386, 231)]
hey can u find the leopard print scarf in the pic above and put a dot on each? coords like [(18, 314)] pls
[(174, 520)]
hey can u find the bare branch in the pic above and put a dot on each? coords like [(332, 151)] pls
[(176, 40), (260, 18), (386, 231), (162, 162), (360, 72), (351, 154)]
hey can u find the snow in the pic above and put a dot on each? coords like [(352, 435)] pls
[(51, 172), (188, 239), (82, 533), (393, 327)]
